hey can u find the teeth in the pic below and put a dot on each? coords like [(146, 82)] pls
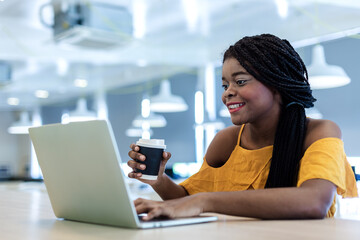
[(235, 105)]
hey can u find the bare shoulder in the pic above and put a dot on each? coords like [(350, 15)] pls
[(318, 129), (222, 146)]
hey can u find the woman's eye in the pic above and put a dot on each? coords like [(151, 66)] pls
[(240, 82), (225, 86)]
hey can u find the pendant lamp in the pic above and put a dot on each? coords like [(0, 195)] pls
[(81, 113), (313, 113), (224, 112), (167, 102), (137, 132), (154, 121), (322, 75), (21, 126)]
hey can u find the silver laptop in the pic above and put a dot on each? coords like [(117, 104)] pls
[(80, 163)]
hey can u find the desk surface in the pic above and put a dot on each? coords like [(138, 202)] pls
[(26, 214)]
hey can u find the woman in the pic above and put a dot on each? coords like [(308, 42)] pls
[(294, 165)]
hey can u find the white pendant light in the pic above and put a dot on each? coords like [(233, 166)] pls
[(224, 112), (137, 132), (165, 101), (21, 126), (313, 113), (216, 124), (154, 120), (81, 113), (322, 75)]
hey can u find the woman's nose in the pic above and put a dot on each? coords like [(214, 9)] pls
[(230, 92)]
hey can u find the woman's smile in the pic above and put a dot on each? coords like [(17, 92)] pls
[(235, 106)]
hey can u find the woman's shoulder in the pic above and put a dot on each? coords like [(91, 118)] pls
[(320, 128), (222, 146)]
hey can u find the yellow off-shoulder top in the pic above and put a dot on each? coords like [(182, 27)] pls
[(249, 169)]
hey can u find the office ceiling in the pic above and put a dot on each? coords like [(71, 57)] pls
[(179, 35)]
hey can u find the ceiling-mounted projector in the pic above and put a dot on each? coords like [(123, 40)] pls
[(92, 25)]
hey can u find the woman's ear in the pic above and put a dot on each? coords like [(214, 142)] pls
[(277, 95)]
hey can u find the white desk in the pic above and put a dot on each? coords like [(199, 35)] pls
[(25, 213)]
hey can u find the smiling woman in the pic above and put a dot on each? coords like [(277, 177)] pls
[(295, 165)]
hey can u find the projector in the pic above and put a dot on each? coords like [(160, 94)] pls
[(93, 25)]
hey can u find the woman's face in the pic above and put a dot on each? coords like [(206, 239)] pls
[(247, 99)]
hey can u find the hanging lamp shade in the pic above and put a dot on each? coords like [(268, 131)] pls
[(154, 121), (313, 113), (136, 132), (167, 102), (224, 112), (322, 75), (81, 113), (215, 123), (21, 126)]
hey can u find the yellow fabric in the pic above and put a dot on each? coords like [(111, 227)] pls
[(249, 169)]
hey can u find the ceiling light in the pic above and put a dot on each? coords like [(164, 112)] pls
[(282, 8), (136, 132), (21, 126), (215, 124), (154, 120), (322, 75), (165, 101), (79, 114), (13, 101), (62, 66), (199, 107), (313, 113), (139, 18), (224, 112), (79, 82), (41, 94), (191, 11), (145, 108)]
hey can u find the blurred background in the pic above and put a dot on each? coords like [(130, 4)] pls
[(153, 68)]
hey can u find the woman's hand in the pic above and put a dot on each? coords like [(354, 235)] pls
[(135, 155), (181, 207)]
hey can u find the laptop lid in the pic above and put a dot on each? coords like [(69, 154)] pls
[(80, 163)]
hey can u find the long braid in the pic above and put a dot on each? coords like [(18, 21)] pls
[(275, 63)]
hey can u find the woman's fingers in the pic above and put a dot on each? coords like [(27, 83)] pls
[(134, 175), (134, 147), (135, 165), (156, 212), (152, 208), (134, 153), (166, 155)]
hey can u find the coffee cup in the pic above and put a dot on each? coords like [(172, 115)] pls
[(153, 150)]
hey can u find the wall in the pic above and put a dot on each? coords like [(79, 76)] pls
[(341, 105), (14, 149)]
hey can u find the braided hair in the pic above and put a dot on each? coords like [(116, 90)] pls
[(275, 63)]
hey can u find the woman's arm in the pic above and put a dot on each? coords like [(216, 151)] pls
[(167, 189), (311, 200)]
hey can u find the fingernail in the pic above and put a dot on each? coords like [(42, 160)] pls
[(142, 166), (142, 157)]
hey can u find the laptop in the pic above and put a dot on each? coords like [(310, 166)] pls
[(80, 163)]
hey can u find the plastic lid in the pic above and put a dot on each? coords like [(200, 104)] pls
[(154, 143)]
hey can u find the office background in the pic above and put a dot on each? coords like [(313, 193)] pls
[(173, 46)]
